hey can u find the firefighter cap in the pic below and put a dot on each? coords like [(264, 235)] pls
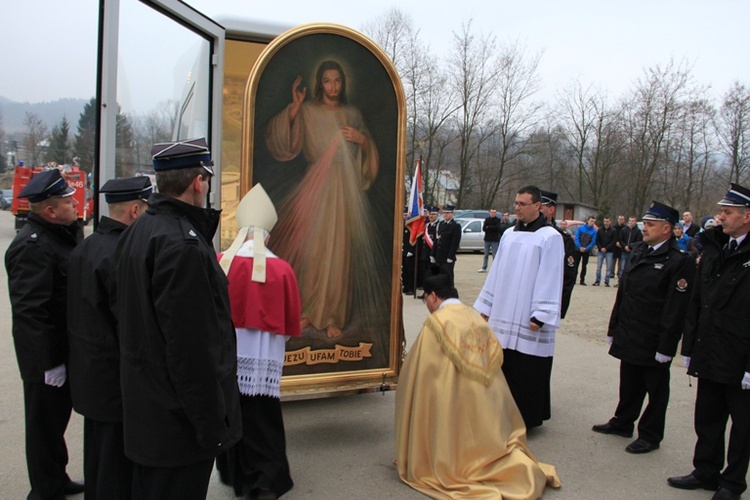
[(661, 212), (127, 189), (737, 196), (46, 184), (182, 154), (548, 197)]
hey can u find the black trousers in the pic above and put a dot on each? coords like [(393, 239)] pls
[(189, 482), (529, 380), (47, 412), (635, 382), (582, 258), (448, 268), (108, 472), (259, 460), (714, 404)]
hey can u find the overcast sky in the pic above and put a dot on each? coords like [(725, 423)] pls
[(48, 47)]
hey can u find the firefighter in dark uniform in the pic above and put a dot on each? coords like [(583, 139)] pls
[(94, 364), (549, 209), (716, 349), (448, 239), (37, 265), (428, 239), (178, 363), (407, 259), (645, 327)]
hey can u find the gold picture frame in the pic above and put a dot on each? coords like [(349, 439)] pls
[(335, 271)]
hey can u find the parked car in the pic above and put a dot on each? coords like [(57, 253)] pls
[(471, 214), (6, 198), (472, 236)]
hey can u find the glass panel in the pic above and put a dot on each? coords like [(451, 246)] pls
[(162, 85), (475, 226), (238, 61)]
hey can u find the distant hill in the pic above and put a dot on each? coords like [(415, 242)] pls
[(50, 112)]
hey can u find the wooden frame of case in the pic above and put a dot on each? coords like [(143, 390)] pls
[(366, 380)]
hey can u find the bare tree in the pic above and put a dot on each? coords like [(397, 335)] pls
[(733, 128), (473, 74), (691, 147), (652, 110), (516, 115), (156, 126), (435, 105), (35, 137)]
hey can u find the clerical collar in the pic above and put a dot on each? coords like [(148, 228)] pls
[(538, 223), (448, 302)]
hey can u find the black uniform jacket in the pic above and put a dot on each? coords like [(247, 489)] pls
[(177, 342), (652, 299), (37, 265), (448, 239), (569, 268), (717, 335), (94, 364)]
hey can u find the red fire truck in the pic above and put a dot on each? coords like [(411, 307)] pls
[(76, 179)]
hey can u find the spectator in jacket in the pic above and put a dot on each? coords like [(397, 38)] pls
[(645, 328), (629, 236), (606, 240), (682, 239), (492, 230), (688, 226), (617, 253), (585, 239), (716, 349), (37, 266)]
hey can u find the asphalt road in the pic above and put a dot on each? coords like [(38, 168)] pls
[(343, 448)]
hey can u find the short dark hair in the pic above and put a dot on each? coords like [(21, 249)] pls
[(536, 195), (176, 181), (439, 282)]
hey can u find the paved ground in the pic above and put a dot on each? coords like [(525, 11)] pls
[(344, 447)]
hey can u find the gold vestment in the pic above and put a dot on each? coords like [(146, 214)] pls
[(459, 433)]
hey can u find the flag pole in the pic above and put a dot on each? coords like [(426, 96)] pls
[(416, 243)]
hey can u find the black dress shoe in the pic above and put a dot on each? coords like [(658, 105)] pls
[(725, 494), (641, 446), (611, 429), (690, 482), (73, 488)]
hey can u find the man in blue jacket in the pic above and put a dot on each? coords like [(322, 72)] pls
[(585, 241)]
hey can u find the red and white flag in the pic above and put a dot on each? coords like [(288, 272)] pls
[(415, 218)]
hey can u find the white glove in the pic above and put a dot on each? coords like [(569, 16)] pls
[(609, 340), (56, 376), (432, 260), (686, 361), (450, 261), (661, 358), (746, 381), (409, 254)]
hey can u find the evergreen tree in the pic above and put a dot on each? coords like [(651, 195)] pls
[(59, 143), (85, 140)]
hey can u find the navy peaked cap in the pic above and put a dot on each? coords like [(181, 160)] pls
[(182, 154), (548, 197), (661, 212), (46, 184), (737, 196), (127, 189)]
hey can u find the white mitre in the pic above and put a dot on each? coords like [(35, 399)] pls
[(254, 210)]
